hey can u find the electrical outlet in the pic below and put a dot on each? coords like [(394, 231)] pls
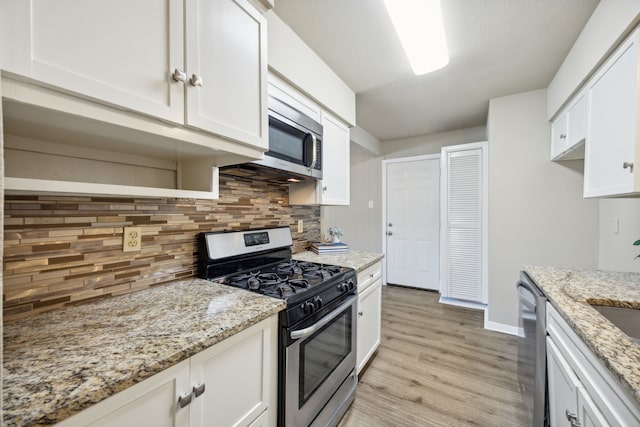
[(132, 239), (370, 204), (300, 226)]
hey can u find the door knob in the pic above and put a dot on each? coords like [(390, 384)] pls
[(389, 233), (195, 80)]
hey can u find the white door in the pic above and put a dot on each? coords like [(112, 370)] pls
[(412, 223), (464, 222)]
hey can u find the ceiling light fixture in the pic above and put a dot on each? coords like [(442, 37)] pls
[(420, 28)]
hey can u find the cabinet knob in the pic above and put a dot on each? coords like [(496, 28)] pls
[(324, 188), (198, 389), (195, 80), (389, 233), (360, 313), (563, 136), (573, 419), (628, 165), (185, 399), (179, 75), (390, 225)]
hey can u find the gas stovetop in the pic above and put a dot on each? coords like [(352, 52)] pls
[(260, 261), (285, 279)]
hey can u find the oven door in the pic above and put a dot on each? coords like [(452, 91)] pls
[(320, 356)]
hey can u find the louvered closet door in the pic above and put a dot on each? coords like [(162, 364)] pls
[(463, 218)]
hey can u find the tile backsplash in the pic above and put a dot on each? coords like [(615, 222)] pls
[(66, 250)]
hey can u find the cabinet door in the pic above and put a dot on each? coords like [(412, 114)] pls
[(563, 387), (590, 415), (153, 402), (577, 121), (612, 132), (236, 374), (559, 135), (369, 312), (335, 162), (226, 51), (118, 52)]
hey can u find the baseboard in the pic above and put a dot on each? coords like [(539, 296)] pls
[(463, 303), (501, 327)]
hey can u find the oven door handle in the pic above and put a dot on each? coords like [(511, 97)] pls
[(303, 333)]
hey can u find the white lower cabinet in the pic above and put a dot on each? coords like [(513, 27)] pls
[(582, 392), (232, 383), (369, 313)]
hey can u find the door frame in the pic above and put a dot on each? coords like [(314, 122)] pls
[(384, 203), (444, 240)]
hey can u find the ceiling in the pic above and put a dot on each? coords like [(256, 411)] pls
[(496, 48)]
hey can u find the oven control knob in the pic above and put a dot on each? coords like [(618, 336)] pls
[(308, 307), (342, 287), (317, 302), (351, 285)]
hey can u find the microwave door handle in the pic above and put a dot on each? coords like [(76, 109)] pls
[(314, 144)]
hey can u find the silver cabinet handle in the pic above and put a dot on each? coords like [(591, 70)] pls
[(563, 136), (628, 165), (185, 399), (389, 233), (195, 80), (198, 389), (179, 75), (573, 418)]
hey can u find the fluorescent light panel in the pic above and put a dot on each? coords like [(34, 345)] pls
[(421, 31)]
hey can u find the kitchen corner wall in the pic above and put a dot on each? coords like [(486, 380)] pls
[(536, 211), (60, 250), (361, 224), (619, 228)]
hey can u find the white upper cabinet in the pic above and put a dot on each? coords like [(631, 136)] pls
[(227, 69), (333, 188), (335, 157), (116, 52), (568, 130), (147, 55), (613, 135)]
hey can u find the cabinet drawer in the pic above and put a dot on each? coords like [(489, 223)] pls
[(368, 276)]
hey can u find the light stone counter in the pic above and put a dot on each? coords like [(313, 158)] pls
[(572, 291), (358, 260), (59, 363)]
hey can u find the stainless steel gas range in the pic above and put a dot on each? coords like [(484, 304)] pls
[(317, 337)]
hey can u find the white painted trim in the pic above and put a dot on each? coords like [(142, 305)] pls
[(384, 202), (462, 303), (502, 327)]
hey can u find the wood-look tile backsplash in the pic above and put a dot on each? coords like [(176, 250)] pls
[(67, 250)]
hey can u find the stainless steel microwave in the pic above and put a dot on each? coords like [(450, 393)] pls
[(295, 148), (295, 142)]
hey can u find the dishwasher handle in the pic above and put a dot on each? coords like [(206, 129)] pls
[(525, 287)]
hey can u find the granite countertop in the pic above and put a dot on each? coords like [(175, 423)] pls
[(58, 363), (358, 260), (572, 291)]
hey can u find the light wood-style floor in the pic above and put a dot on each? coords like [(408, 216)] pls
[(437, 366)]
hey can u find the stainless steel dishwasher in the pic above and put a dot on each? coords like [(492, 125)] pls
[(532, 354)]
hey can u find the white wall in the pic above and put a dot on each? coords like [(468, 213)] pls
[(616, 251), (360, 223), (536, 211), (294, 61), (610, 21), (431, 144)]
